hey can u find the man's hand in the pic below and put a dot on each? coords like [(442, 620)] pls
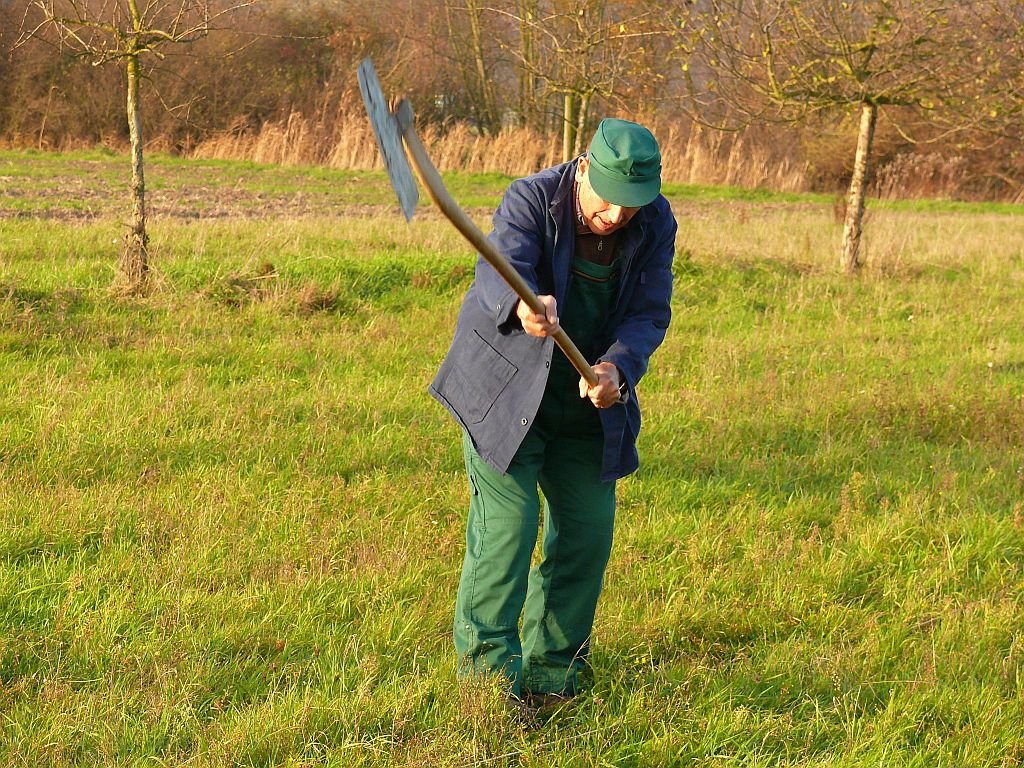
[(535, 324), (605, 393)]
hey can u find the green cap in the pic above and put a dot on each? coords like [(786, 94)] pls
[(625, 163)]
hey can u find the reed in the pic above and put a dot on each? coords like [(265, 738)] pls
[(697, 155), (343, 140), (337, 135), (918, 176)]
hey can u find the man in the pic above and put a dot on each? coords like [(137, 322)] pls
[(595, 239)]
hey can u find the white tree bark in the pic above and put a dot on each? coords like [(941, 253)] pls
[(854, 222)]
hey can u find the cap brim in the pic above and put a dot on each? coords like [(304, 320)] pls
[(629, 192)]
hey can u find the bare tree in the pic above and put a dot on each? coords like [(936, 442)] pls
[(582, 51), (471, 53), (995, 97), (530, 84), (125, 32), (764, 60)]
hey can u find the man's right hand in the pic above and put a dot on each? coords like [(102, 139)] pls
[(535, 324)]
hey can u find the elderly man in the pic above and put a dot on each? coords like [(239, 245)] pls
[(595, 239)]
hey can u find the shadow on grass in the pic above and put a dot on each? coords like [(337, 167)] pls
[(60, 302)]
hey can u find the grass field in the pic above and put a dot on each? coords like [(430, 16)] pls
[(231, 519)]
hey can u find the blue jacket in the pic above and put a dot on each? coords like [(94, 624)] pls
[(493, 377)]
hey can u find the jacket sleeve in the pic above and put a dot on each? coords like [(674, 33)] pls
[(647, 316), (518, 235)]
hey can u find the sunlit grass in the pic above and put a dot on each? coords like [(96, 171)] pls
[(231, 519)]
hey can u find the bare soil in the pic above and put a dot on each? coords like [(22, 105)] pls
[(68, 189)]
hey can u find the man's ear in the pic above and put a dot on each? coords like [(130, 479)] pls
[(581, 167)]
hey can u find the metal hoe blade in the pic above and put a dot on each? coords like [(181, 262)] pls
[(389, 139)]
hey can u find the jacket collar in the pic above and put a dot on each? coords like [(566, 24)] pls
[(562, 200)]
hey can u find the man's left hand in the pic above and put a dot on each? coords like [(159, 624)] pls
[(605, 393)]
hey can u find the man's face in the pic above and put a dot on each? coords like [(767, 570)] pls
[(602, 217)]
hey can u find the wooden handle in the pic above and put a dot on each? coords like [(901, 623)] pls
[(431, 179)]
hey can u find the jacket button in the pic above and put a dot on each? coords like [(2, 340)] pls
[(547, 363), (525, 422)]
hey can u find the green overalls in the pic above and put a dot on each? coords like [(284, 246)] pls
[(562, 455)]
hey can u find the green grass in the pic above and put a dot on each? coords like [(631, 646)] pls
[(701, 193), (231, 519)]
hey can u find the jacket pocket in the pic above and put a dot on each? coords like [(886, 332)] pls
[(477, 379)]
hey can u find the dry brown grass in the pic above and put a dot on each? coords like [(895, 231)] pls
[(692, 155), (696, 155), (345, 141), (922, 176), (298, 140)]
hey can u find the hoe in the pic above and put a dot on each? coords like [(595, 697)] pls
[(393, 127)]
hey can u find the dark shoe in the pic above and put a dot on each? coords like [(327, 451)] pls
[(548, 703), (520, 711)]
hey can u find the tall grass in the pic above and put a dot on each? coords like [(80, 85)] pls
[(344, 140), (929, 175), (752, 159)]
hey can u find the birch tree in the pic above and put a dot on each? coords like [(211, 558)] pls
[(127, 33), (765, 60)]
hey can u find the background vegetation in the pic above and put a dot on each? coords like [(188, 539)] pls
[(501, 82), (231, 519)]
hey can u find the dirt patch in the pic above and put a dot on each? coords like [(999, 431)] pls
[(62, 189)]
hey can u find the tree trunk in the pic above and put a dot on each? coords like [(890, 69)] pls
[(568, 127), (468, 50), (528, 85), (852, 226), (135, 258), (490, 122), (582, 113)]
